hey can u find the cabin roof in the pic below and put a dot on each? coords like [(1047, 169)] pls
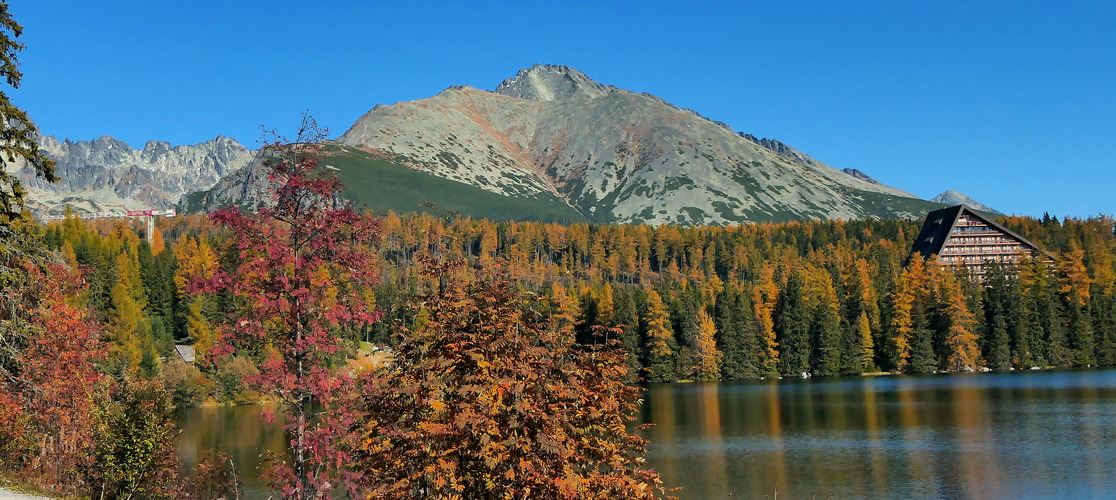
[(186, 352)]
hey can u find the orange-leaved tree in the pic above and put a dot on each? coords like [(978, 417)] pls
[(483, 400), (49, 383)]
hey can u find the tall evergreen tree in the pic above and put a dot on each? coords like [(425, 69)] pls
[(738, 337), (792, 324), (996, 339)]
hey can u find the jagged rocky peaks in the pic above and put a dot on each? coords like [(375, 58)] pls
[(107, 173), (551, 83), (953, 197)]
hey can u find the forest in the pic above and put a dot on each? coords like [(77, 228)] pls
[(712, 303)]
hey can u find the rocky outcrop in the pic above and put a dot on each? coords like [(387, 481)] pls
[(106, 173), (860, 175)]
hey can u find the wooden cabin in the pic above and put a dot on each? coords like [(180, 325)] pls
[(961, 236)]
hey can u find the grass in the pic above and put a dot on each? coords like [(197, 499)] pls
[(383, 185)]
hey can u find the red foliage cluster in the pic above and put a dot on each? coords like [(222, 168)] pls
[(48, 382), (304, 271)]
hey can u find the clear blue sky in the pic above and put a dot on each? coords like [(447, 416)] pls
[(1012, 102)]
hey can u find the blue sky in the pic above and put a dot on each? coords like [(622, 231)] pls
[(1012, 102)]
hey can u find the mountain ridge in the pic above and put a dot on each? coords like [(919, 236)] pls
[(547, 137), (106, 173)]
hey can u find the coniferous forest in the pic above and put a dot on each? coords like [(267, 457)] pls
[(712, 303)]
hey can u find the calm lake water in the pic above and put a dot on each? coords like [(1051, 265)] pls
[(993, 435)]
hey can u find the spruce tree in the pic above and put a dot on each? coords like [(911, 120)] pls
[(736, 333), (792, 326)]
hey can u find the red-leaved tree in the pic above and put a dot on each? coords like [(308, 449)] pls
[(304, 273)]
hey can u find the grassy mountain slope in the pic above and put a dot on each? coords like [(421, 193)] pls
[(383, 185)]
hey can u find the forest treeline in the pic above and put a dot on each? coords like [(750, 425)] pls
[(712, 303)]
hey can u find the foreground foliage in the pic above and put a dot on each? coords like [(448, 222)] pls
[(486, 398), (303, 272)]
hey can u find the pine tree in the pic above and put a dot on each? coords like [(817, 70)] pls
[(792, 324), (825, 328), (737, 335), (996, 348), (626, 317), (19, 134)]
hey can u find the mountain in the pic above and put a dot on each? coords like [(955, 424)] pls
[(952, 197), (106, 173), (612, 155), (553, 144)]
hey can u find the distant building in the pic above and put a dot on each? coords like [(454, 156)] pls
[(961, 236), (186, 353)]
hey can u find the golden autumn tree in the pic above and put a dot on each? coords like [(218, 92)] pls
[(129, 325), (908, 289), (660, 346), (485, 401), (196, 259), (765, 300), (1075, 287), (961, 336), (867, 351), (564, 309), (707, 357)]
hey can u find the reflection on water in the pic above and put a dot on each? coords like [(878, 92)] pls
[(236, 430), (1011, 435), (1018, 435)]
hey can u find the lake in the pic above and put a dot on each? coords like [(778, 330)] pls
[(1042, 434)]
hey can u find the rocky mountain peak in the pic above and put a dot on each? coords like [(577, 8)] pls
[(548, 82), (954, 197)]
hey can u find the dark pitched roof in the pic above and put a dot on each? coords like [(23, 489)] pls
[(935, 231)]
